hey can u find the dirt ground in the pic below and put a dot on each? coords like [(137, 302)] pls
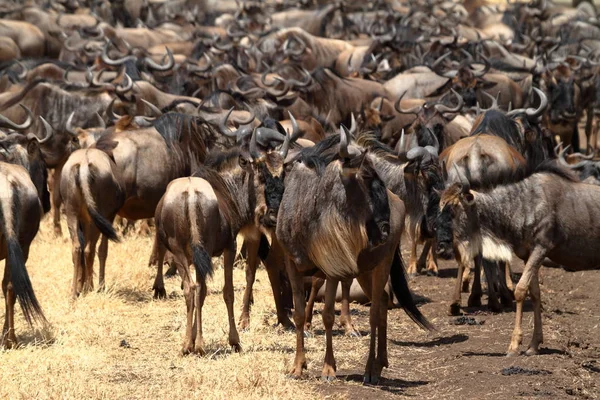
[(123, 344)]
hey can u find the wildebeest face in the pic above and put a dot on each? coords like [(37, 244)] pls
[(456, 207), (268, 174), (562, 99)]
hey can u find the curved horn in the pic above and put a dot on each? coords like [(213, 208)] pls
[(238, 133), (7, 123), (21, 75), (433, 150), (295, 127), (532, 113), (101, 120), (167, 66), (343, 152), (125, 88), (285, 147), (288, 51), (114, 63), (415, 110), (253, 148), (152, 107), (441, 108), (110, 113), (69, 125), (49, 132), (402, 147), (562, 161), (485, 69), (250, 119)]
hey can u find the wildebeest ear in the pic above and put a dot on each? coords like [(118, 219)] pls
[(469, 198), (32, 146)]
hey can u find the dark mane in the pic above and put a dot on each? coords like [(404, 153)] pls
[(496, 123), (321, 154), (227, 205), (221, 160), (547, 167), (553, 168), (370, 142), (187, 137)]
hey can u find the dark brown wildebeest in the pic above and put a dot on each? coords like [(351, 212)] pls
[(23, 201), (324, 234), (547, 214), (90, 210), (199, 217)]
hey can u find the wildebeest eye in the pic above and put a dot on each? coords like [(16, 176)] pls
[(243, 162)]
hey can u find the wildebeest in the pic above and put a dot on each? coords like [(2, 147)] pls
[(199, 217), (547, 214), (322, 223), (24, 199)]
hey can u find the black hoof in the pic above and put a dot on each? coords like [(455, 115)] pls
[(160, 293), (455, 309), (474, 301)]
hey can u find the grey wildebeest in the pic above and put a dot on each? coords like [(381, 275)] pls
[(322, 225), (547, 214), (24, 199), (200, 216)]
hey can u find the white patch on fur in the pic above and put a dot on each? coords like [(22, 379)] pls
[(493, 249)]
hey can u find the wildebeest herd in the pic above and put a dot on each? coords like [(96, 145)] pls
[(319, 133)]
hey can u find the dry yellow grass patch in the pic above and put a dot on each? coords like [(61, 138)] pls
[(80, 355)]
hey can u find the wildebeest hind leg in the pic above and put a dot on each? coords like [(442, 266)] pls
[(374, 366), (296, 281), (456, 294), (272, 263), (188, 294), (345, 318), (89, 255), (328, 315), (159, 283), (102, 256), (200, 296), (491, 268), (251, 265), (9, 339), (538, 336), (228, 296)]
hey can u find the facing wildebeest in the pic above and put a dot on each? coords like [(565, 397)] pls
[(322, 223), (199, 217), (547, 214)]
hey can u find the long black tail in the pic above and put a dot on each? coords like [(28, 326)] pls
[(83, 178), (263, 248), (403, 294), (202, 261), (19, 278)]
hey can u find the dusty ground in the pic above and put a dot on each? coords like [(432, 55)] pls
[(123, 344)]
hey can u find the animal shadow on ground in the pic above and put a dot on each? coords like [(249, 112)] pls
[(447, 273), (338, 332), (132, 295), (395, 386), (43, 337), (458, 338)]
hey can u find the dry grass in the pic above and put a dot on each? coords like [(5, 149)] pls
[(80, 354)]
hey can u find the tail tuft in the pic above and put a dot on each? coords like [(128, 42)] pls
[(403, 294), (202, 260)]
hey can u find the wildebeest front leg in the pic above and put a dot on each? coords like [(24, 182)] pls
[(345, 318), (251, 265), (228, 296), (412, 261), (432, 266), (328, 315), (476, 292), (491, 273), (374, 366), (531, 269), (9, 339), (456, 295), (77, 255), (56, 200), (316, 284), (297, 284), (273, 263)]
